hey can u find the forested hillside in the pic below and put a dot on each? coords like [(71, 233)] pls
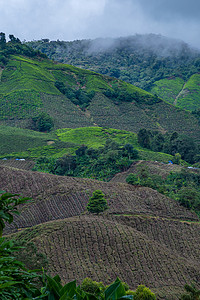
[(152, 62), (91, 153), (35, 90)]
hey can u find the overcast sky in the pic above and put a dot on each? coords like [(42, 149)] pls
[(79, 19)]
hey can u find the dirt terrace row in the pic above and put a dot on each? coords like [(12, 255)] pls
[(58, 197), (104, 249)]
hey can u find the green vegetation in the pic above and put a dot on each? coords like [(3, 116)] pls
[(19, 283), (190, 95), (183, 186), (140, 59), (72, 97), (43, 122), (101, 163), (168, 88), (191, 292), (30, 144), (151, 62), (175, 90), (91, 290), (16, 281), (97, 203), (178, 145), (8, 207), (96, 136), (23, 139)]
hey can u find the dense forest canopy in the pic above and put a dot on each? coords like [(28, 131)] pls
[(140, 59)]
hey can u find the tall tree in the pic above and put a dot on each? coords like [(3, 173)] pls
[(2, 40)]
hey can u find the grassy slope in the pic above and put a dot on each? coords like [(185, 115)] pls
[(95, 137), (30, 144), (22, 139), (27, 87), (168, 88), (190, 96), (103, 249), (144, 236), (176, 91), (144, 61), (131, 116), (24, 143)]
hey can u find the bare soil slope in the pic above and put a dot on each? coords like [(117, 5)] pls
[(162, 254), (18, 164), (144, 237), (59, 197)]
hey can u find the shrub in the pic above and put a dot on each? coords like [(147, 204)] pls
[(97, 203), (42, 122), (92, 287)]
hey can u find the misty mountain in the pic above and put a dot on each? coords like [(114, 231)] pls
[(142, 60)]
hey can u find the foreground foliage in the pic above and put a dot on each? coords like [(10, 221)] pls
[(16, 282), (91, 290), (8, 207)]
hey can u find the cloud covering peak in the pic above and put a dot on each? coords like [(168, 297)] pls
[(79, 19)]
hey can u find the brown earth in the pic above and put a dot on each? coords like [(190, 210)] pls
[(144, 237), (18, 164)]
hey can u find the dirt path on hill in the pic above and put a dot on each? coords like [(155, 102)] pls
[(179, 94), (0, 73)]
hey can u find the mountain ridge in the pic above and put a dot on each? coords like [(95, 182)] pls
[(113, 103), (142, 60)]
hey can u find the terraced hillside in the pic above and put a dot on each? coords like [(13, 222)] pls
[(58, 197), (144, 237), (152, 62), (175, 90), (163, 254), (18, 164), (29, 144), (79, 98)]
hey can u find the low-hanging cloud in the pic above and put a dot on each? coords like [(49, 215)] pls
[(80, 19)]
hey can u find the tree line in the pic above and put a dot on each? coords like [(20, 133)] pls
[(173, 143), (15, 46), (183, 186)]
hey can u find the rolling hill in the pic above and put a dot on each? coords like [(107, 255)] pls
[(79, 98), (167, 67), (31, 145), (144, 237)]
